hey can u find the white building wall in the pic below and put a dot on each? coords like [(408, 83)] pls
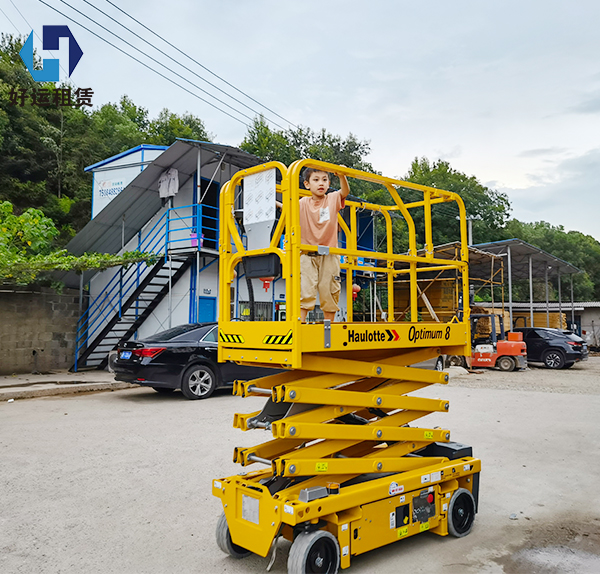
[(590, 325), (111, 178)]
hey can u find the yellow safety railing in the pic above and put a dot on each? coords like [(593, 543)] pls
[(285, 342)]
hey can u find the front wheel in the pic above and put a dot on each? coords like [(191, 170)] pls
[(316, 551), (554, 359), (506, 364), (225, 543), (461, 513), (198, 382), (569, 365)]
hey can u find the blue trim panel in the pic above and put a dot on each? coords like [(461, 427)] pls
[(125, 153)]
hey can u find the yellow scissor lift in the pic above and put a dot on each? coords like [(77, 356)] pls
[(347, 469)]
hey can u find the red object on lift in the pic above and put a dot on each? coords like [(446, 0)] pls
[(355, 291), (266, 283)]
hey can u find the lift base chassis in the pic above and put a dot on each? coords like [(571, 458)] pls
[(367, 513)]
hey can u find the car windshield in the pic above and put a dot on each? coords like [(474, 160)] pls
[(183, 332)]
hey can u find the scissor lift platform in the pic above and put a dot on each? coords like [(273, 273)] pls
[(347, 469)]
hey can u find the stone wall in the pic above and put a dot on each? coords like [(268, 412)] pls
[(37, 330)]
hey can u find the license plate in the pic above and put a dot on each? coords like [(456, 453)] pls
[(125, 355)]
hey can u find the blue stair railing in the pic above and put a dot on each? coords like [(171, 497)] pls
[(171, 233)]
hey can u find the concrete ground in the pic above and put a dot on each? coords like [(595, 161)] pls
[(60, 382), (121, 481)]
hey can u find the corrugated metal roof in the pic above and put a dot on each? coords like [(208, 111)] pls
[(520, 251), (129, 211)]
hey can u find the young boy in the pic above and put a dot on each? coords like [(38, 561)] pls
[(318, 226)]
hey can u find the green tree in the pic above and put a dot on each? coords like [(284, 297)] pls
[(167, 127), (26, 249), (491, 207), (576, 248)]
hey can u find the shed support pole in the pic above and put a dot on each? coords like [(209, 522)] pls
[(559, 302), (547, 303), (170, 259), (572, 305), (530, 292), (510, 306), (198, 231)]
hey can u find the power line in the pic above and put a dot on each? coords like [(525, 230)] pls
[(179, 63), (143, 63), (156, 61), (36, 34), (201, 65), (13, 25)]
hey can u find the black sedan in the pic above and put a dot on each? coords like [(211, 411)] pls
[(184, 357), (555, 348)]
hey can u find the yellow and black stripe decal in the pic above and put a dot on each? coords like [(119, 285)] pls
[(278, 339), (230, 338)]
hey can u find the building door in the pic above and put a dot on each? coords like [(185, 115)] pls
[(207, 309)]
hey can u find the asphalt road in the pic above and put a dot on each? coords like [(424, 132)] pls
[(120, 481)]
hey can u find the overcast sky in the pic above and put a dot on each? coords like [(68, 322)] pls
[(507, 91)]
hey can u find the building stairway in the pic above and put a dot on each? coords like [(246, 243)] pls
[(127, 301)]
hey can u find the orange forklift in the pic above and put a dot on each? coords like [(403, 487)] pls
[(505, 352)]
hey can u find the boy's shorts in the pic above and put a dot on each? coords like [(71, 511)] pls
[(320, 273)]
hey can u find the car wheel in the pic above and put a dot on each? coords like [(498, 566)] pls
[(198, 382), (506, 364), (225, 543), (568, 365), (439, 364), (457, 361), (461, 513), (316, 551), (163, 390), (554, 359)]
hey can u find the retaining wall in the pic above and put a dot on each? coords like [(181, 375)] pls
[(37, 330)]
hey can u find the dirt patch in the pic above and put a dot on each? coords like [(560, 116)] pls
[(563, 545), (581, 379)]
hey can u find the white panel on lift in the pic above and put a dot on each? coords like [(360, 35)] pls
[(259, 208)]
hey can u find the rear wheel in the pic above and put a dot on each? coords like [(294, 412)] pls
[(316, 551), (198, 382), (506, 364), (461, 513), (163, 390), (554, 359), (225, 543)]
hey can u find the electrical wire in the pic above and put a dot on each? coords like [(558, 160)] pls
[(36, 34), (201, 65), (13, 24), (156, 61), (180, 64), (144, 64)]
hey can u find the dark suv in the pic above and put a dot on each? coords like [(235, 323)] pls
[(555, 348)]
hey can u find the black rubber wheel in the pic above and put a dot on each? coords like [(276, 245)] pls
[(198, 382), (439, 364), (569, 365), (163, 390), (461, 513), (457, 361), (314, 552), (506, 364), (225, 543), (554, 359)]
